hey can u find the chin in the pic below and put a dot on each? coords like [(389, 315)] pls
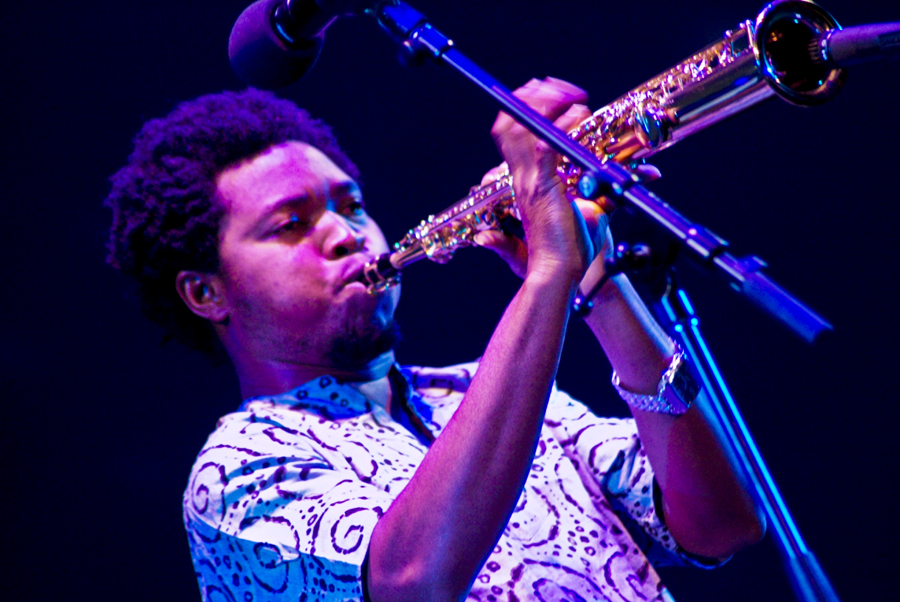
[(362, 346)]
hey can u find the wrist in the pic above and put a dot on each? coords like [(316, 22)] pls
[(595, 294), (554, 272), (675, 391)]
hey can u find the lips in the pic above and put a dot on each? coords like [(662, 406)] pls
[(355, 269)]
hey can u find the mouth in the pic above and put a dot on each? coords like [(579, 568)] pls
[(354, 273)]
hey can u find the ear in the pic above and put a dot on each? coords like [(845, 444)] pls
[(202, 293)]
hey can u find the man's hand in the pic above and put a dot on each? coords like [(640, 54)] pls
[(560, 244), (514, 251), (595, 213)]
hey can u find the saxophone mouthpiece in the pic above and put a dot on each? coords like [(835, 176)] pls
[(379, 274)]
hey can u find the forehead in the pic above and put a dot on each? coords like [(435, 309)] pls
[(285, 170)]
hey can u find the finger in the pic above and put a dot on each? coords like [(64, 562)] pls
[(494, 174), (510, 249), (605, 204), (648, 172), (572, 117), (550, 97), (567, 86), (592, 213), (597, 268), (595, 218)]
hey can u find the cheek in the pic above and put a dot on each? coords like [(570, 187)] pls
[(276, 280), (377, 242), (281, 302)]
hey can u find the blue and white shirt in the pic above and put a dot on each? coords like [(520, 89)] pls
[(284, 496)]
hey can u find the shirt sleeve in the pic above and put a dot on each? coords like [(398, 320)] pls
[(609, 455), (272, 513)]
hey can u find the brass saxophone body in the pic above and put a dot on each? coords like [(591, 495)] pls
[(755, 61)]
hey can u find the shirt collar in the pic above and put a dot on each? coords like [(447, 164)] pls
[(325, 395), (333, 399)]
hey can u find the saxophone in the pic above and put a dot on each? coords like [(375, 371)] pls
[(757, 60)]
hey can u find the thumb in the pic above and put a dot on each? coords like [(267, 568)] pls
[(510, 249)]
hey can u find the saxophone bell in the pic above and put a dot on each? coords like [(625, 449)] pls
[(784, 31)]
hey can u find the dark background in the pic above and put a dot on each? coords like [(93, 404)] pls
[(100, 423)]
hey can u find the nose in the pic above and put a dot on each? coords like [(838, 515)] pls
[(343, 237)]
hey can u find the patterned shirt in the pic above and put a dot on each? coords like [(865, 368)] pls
[(284, 496)]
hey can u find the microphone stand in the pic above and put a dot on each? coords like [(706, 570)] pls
[(676, 314), (420, 40)]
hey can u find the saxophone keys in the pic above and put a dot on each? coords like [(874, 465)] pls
[(650, 127)]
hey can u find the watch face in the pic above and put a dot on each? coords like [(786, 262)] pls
[(677, 390), (685, 383)]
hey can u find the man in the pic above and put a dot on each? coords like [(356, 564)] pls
[(344, 476)]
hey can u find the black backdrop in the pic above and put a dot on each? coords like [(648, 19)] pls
[(101, 423)]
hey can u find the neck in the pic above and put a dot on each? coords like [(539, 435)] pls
[(271, 377)]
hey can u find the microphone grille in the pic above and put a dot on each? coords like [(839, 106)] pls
[(260, 57)]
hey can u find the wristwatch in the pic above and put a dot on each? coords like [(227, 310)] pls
[(675, 393)]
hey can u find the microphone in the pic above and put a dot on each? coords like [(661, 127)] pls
[(274, 42), (855, 45)]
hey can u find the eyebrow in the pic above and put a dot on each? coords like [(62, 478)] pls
[(346, 187)]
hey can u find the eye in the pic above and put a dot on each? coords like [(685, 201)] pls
[(354, 209), (293, 224)]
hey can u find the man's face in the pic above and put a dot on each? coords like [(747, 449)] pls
[(292, 244)]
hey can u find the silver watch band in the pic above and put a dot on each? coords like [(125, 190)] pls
[(675, 393)]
